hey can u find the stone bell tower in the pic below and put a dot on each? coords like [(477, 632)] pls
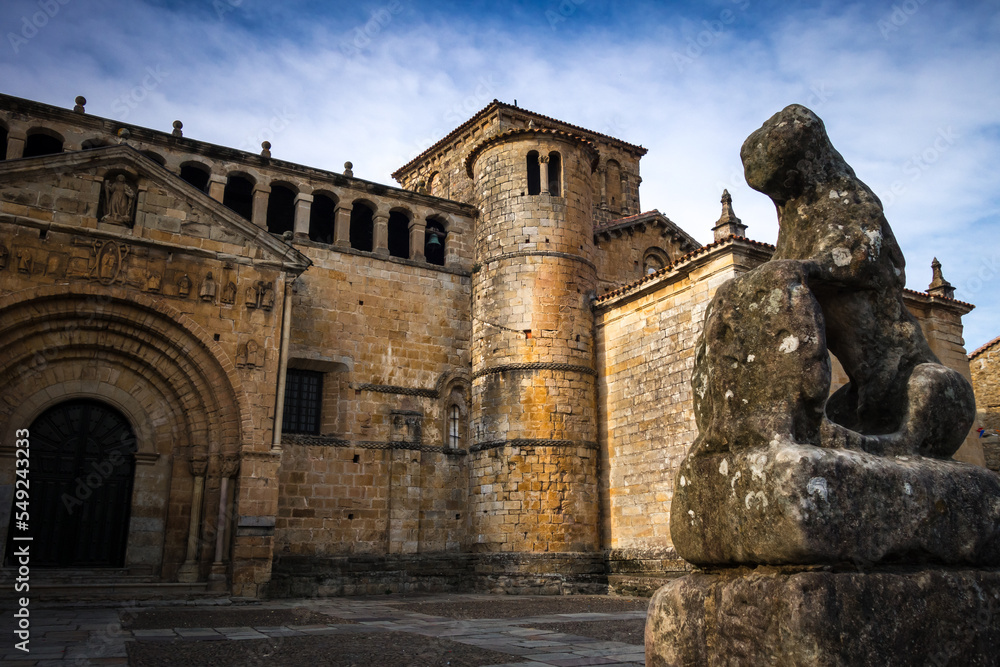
[(533, 463)]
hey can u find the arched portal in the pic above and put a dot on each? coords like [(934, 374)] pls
[(82, 466)]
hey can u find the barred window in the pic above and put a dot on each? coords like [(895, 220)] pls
[(303, 398), (455, 427)]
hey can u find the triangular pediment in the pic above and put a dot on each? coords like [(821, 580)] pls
[(80, 193)]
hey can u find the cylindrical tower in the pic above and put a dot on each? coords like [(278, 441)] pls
[(534, 485)]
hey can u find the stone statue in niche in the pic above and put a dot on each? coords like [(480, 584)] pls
[(208, 287), (183, 285), (4, 256), (229, 292), (118, 199), (784, 473)]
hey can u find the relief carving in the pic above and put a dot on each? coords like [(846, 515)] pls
[(208, 287), (24, 260), (229, 292), (249, 355), (153, 280), (109, 262), (4, 256), (261, 295), (183, 285)]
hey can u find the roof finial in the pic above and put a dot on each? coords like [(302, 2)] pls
[(728, 224), (80, 101), (939, 286)]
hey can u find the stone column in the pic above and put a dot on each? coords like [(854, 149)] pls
[(602, 178), (543, 173), (15, 145), (381, 235), (217, 188), (260, 195), (303, 207), (217, 578), (418, 231), (342, 226), (189, 570)]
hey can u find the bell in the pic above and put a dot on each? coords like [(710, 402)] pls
[(434, 241)]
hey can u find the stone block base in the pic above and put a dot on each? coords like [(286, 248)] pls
[(521, 573), (507, 573), (643, 571), (780, 617)]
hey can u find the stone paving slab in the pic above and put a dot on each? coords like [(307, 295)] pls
[(96, 635)]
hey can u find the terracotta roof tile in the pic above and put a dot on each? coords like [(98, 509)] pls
[(503, 105), (983, 348)]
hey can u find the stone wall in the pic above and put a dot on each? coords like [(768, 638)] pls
[(645, 352), (985, 367)]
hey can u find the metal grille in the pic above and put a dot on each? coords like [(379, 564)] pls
[(303, 398), (454, 427)]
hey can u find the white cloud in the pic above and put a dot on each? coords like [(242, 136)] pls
[(610, 67)]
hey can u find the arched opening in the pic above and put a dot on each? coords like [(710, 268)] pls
[(653, 260), (321, 222), (238, 195), (42, 142), (155, 157), (613, 185), (94, 143), (3, 142), (196, 174), (434, 240), (534, 175), (82, 469), (555, 174), (281, 209), (455, 414), (362, 227), (434, 185), (399, 234)]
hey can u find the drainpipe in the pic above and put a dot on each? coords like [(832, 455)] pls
[(286, 327)]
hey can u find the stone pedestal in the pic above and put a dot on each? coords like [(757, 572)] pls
[(782, 617)]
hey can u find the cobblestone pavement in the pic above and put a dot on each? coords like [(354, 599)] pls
[(384, 631)]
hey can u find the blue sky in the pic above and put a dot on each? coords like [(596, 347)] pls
[(908, 91)]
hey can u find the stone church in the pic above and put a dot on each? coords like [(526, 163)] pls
[(244, 375)]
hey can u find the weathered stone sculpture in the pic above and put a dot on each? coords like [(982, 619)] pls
[(783, 474)]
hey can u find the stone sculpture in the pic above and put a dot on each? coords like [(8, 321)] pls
[(782, 472), (834, 493), (119, 196)]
